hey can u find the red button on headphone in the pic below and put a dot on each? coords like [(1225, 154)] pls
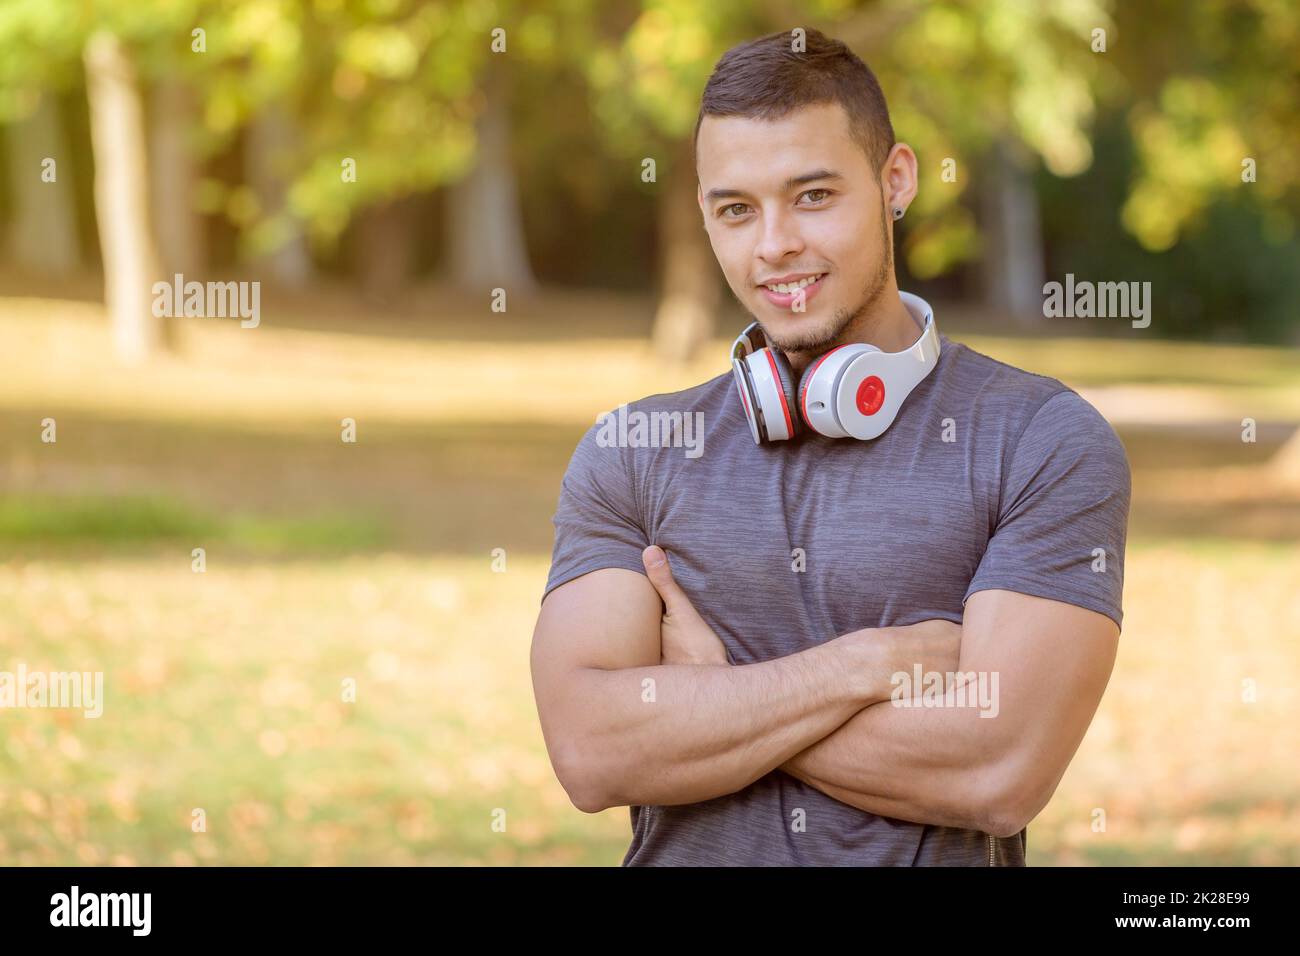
[(871, 395)]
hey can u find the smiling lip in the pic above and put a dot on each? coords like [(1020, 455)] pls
[(792, 277), (786, 300)]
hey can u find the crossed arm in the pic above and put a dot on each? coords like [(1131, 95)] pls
[(933, 765), (639, 705)]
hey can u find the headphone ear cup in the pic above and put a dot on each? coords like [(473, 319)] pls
[(771, 391), (804, 379), (817, 411), (785, 375), (747, 399)]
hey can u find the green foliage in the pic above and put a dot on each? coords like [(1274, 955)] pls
[(1232, 276), (27, 520), (397, 85), (1226, 92)]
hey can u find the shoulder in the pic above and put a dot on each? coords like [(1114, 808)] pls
[(1041, 414), (997, 381), (1069, 429)]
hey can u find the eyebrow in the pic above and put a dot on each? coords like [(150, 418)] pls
[(802, 179)]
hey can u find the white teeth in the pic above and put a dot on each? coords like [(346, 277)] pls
[(785, 288)]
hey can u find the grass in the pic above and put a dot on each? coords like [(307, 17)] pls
[(372, 562), (43, 521), (224, 693)]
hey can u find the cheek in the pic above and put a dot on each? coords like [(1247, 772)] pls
[(844, 238), (732, 250)]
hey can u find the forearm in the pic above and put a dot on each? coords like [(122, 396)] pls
[(676, 733), (936, 765), (994, 763), (908, 810)]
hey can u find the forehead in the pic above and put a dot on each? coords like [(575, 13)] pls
[(743, 152)]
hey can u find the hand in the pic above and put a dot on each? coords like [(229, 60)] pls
[(934, 644), (684, 637)]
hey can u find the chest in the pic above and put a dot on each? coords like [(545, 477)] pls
[(795, 545)]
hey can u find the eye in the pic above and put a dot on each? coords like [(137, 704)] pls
[(817, 195), (725, 211)]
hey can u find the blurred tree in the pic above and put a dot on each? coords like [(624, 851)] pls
[(176, 167), (385, 248), (385, 101), (1210, 91), (122, 196), (1196, 184), (985, 95), (44, 46), (339, 106), (485, 236), (344, 108), (647, 64), (964, 83), (43, 233), (1013, 257), (270, 151), (688, 281)]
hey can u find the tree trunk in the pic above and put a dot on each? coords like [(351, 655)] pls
[(122, 197), (385, 249), (179, 225), (43, 234), (271, 141), (688, 298), (485, 240), (1013, 257)]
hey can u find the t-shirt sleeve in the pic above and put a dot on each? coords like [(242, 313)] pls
[(1063, 514), (597, 522)]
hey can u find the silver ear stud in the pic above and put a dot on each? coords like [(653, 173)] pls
[(898, 212)]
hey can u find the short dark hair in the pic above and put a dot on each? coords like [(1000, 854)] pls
[(767, 79)]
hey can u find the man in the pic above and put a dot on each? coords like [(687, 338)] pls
[(747, 698)]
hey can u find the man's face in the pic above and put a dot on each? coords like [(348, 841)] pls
[(790, 201)]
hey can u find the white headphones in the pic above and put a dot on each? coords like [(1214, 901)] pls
[(853, 390)]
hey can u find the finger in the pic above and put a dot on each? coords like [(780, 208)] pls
[(661, 576)]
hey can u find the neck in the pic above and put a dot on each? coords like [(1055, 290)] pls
[(886, 324)]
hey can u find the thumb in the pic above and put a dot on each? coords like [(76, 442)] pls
[(661, 576)]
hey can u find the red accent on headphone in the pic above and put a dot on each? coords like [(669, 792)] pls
[(780, 390), (871, 395)]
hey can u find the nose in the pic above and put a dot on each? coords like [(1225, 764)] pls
[(780, 238)]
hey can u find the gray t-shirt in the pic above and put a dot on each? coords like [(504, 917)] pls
[(990, 477)]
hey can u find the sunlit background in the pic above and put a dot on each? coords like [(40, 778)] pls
[(381, 167)]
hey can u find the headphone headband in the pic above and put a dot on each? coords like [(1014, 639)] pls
[(925, 350)]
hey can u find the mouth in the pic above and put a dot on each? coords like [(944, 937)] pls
[(787, 294)]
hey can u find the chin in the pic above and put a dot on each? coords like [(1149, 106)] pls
[(801, 333)]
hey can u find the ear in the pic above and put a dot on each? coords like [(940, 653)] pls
[(898, 180)]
